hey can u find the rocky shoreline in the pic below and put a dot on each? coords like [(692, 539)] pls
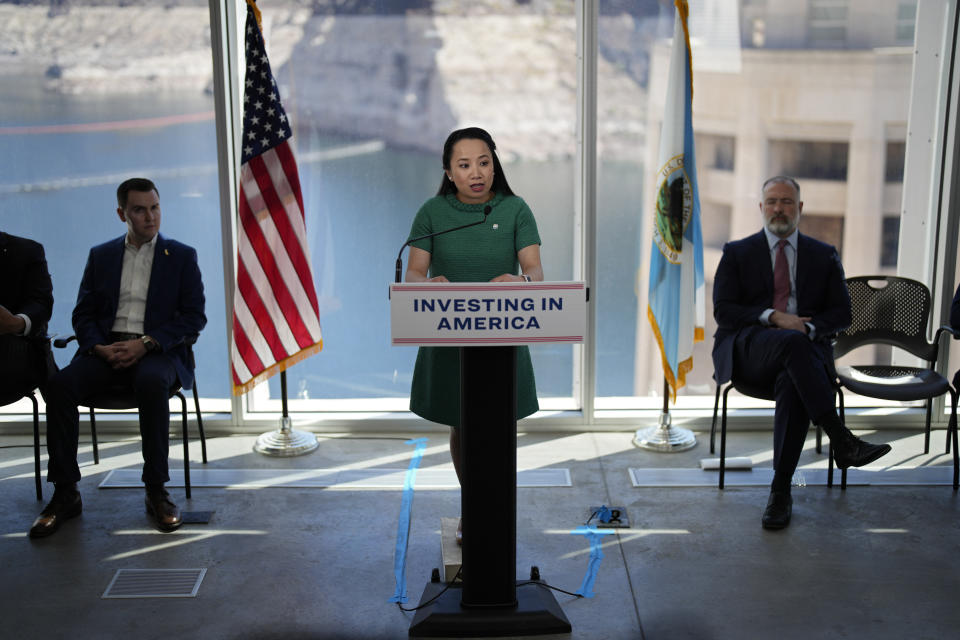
[(405, 79)]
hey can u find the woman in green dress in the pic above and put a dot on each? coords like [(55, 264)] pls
[(505, 248)]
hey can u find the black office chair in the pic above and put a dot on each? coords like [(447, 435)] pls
[(121, 397), (762, 393), (894, 311)]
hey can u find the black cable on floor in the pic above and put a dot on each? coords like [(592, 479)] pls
[(433, 599), (549, 586)]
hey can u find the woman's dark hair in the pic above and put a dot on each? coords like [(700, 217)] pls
[(473, 133)]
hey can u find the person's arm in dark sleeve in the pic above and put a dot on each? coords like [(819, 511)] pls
[(85, 313), (729, 307), (836, 315), (955, 310), (36, 303), (190, 318)]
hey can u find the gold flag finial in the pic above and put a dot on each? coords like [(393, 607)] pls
[(256, 13)]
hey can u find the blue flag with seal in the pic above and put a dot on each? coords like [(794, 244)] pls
[(676, 297)]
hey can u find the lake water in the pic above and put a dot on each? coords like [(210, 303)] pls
[(59, 189)]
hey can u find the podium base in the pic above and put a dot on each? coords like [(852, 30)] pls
[(537, 613)]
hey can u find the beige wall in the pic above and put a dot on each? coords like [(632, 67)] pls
[(860, 98)]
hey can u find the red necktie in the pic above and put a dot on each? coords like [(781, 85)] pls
[(781, 279)]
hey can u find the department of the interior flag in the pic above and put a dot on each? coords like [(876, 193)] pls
[(275, 315), (676, 296)]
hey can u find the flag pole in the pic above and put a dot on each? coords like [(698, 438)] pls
[(664, 437), (276, 319), (285, 441)]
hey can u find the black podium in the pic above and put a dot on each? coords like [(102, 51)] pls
[(489, 602), (487, 321)]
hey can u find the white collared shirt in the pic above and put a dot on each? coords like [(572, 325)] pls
[(134, 283)]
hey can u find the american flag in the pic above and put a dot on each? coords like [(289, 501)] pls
[(275, 318)]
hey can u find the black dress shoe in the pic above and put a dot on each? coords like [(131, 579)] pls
[(64, 505), (165, 514), (854, 452), (778, 511)]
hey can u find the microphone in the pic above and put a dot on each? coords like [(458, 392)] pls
[(486, 212)]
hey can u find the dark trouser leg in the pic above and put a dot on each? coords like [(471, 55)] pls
[(65, 390), (790, 425), (153, 377), (802, 388)]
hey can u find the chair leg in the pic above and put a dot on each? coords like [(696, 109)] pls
[(713, 424), (829, 465), (843, 472), (926, 432), (947, 449), (952, 432), (843, 420), (819, 439), (723, 436), (186, 444), (203, 437), (36, 447), (93, 436)]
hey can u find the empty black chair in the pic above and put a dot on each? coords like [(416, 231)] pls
[(122, 397), (894, 311)]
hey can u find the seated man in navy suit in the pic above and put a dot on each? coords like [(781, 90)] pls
[(26, 302), (140, 301), (778, 296)]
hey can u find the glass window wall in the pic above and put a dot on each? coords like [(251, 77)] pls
[(373, 90), (777, 104), (127, 93)]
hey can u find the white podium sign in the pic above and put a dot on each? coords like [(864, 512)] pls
[(487, 313)]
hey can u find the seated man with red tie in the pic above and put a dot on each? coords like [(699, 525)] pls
[(778, 296)]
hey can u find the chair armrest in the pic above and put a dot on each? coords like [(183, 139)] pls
[(948, 329)]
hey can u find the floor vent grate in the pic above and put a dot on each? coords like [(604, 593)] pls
[(155, 583)]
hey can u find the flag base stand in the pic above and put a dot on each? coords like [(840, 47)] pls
[(285, 441), (664, 437)]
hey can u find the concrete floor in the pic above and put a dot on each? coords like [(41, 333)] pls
[(869, 562)]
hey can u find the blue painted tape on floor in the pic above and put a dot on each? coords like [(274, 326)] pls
[(594, 535), (403, 526)]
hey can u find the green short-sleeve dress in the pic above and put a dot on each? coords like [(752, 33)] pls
[(475, 254)]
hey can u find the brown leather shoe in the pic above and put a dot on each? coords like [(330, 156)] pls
[(165, 514), (64, 505)]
